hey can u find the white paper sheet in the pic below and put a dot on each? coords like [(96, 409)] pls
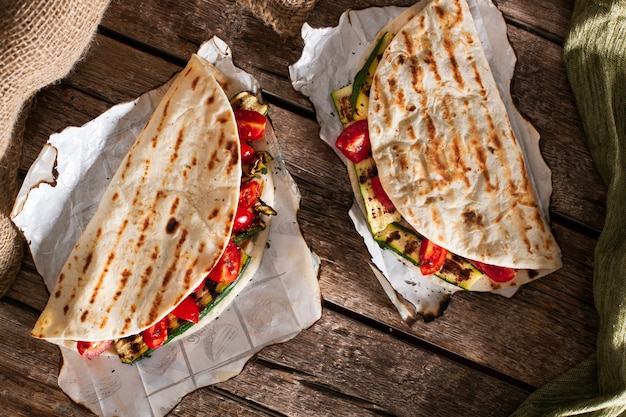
[(59, 196), (330, 59)]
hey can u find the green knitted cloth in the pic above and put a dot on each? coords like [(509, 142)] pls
[(595, 59)]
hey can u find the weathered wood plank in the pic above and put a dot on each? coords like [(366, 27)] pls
[(542, 91), (321, 382), (557, 308), (346, 279), (54, 109), (551, 17), (340, 364), (400, 380)]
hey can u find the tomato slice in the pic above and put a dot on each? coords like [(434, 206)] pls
[(381, 195), (354, 141), (249, 194), (92, 349), (244, 217), (228, 266), (187, 310), (247, 153), (250, 124), (496, 273), (156, 335), (432, 257)]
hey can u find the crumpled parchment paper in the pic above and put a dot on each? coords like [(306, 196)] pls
[(330, 59), (59, 196)]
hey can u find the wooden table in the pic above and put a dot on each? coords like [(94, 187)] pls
[(482, 358)]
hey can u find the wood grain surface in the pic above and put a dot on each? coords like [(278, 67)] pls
[(481, 358)]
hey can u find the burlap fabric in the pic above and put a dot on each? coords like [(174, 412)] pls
[(284, 16), (40, 41)]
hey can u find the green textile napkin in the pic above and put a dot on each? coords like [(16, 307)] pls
[(595, 59)]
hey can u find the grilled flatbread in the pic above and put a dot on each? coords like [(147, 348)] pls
[(163, 222), (445, 151)]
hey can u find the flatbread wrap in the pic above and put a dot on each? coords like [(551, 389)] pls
[(179, 231), (433, 160)]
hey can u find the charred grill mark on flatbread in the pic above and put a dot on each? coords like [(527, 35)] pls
[(154, 310), (213, 214), (189, 273), (165, 110), (105, 269), (450, 18), (227, 228), (88, 259), (126, 166), (432, 64), (470, 217), (194, 83), (126, 274), (523, 229), (176, 259), (127, 323), (172, 225), (233, 150), (458, 161), (421, 24), (410, 132), (212, 161), (179, 141), (435, 152), (101, 278), (146, 170), (146, 275), (409, 48), (476, 148), (141, 240), (478, 80), (174, 205), (448, 45)]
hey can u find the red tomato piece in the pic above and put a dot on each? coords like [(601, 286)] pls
[(381, 195), (247, 153), (228, 266), (187, 310), (496, 273), (156, 335), (92, 349), (432, 257), (249, 194), (354, 141), (250, 124), (244, 217)]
